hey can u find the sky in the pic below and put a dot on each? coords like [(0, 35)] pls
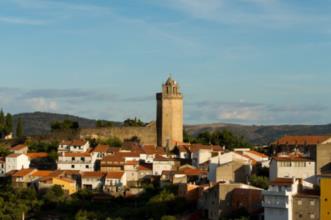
[(237, 61)]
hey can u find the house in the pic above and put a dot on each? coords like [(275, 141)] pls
[(161, 164), (306, 205), (23, 178), (149, 152), (292, 167), (249, 200), (183, 151), (278, 199), (16, 162), (316, 148), (74, 146), (82, 161), (100, 151), (202, 153), (217, 201), (235, 171), (144, 171), (19, 149), (93, 180), (325, 198), (2, 166), (131, 171), (112, 163), (115, 182), (228, 158), (68, 185), (172, 177), (255, 155)]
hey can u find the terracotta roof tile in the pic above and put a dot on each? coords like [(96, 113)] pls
[(282, 182), (76, 154), (258, 154), (114, 175), (301, 140), (13, 155), (101, 148), (42, 173), (37, 155), (291, 159), (23, 172), (19, 147)]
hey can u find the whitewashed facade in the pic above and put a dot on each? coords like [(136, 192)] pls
[(76, 161), (16, 162)]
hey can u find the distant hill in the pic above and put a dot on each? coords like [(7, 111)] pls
[(38, 123), (260, 135)]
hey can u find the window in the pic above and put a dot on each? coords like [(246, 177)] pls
[(72, 166), (86, 166), (82, 158), (72, 158), (312, 202)]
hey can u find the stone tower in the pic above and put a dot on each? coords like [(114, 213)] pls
[(169, 115)]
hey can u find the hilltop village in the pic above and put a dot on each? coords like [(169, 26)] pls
[(288, 179)]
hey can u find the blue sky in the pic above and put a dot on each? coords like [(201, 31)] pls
[(237, 61)]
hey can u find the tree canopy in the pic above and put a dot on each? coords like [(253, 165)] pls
[(135, 122), (63, 125), (223, 138), (6, 123)]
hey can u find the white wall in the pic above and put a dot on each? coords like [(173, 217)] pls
[(17, 163)]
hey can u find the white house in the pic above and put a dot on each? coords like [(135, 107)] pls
[(161, 164), (74, 146), (76, 161), (19, 149), (203, 153), (93, 180), (100, 151), (278, 199), (257, 156), (17, 162), (115, 181), (131, 170), (292, 167), (225, 158)]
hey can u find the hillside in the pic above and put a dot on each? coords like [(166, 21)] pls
[(260, 135), (39, 123)]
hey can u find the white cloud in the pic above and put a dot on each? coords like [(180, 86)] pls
[(42, 104)]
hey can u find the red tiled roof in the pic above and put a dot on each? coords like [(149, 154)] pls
[(132, 162), (19, 147), (291, 159), (144, 167), (193, 172), (13, 155), (101, 148), (76, 154), (114, 175), (113, 158), (301, 140), (42, 173), (37, 155), (258, 154), (23, 172), (73, 143), (160, 158), (96, 174), (282, 182)]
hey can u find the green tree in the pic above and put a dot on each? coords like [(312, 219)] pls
[(113, 142), (63, 125), (19, 128), (8, 124), (133, 122), (103, 124), (259, 181)]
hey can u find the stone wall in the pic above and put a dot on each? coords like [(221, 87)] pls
[(146, 134)]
